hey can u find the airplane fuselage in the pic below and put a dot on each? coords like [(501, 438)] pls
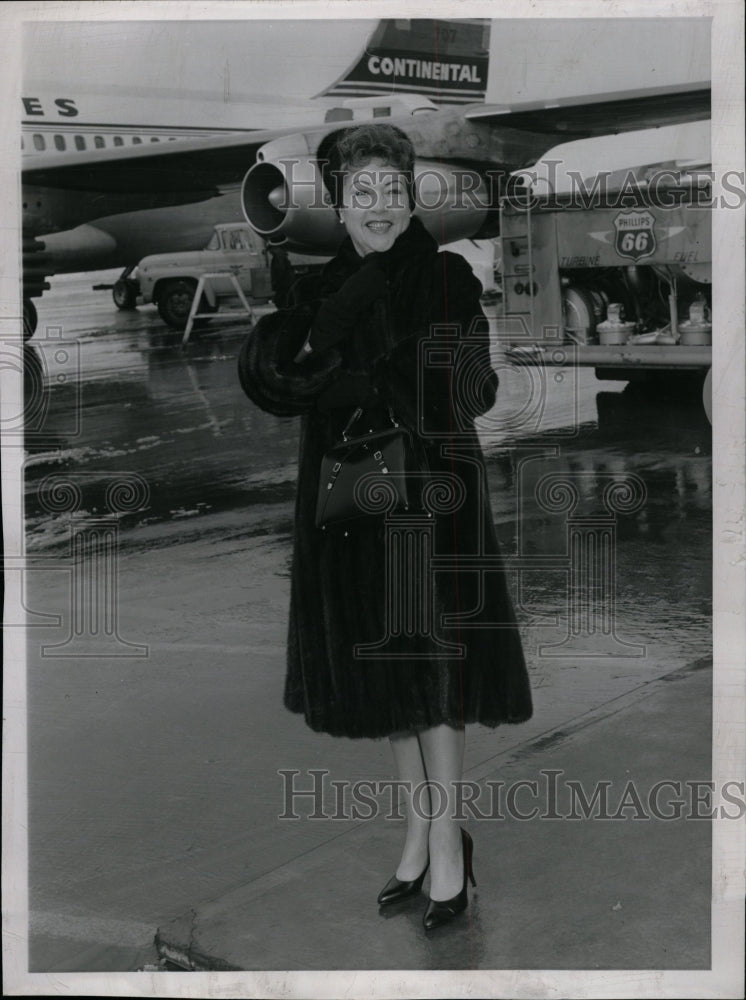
[(115, 172), (84, 122)]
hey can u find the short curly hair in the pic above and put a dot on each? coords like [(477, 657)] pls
[(349, 148)]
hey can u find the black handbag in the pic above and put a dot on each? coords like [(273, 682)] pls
[(384, 452)]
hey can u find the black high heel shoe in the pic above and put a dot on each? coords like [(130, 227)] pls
[(395, 889), (440, 911)]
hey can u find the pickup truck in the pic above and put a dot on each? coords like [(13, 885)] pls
[(170, 279)]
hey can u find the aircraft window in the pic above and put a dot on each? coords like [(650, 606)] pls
[(118, 140), (154, 138), (39, 141), (381, 112), (80, 142), (136, 140), (339, 115), (98, 141), (59, 142), (22, 142)]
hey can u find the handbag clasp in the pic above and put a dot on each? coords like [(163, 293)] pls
[(356, 415)]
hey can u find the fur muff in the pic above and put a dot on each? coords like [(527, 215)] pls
[(426, 347), (266, 370)]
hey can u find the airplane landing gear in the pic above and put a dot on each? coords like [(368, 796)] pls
[(30, 319)]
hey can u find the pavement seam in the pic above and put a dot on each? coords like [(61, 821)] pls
[(571, 727), (169, 936), (269, 880)]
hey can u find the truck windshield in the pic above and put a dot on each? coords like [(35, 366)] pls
[(236, 239)]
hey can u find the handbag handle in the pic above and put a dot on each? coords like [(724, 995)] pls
[(356, 414)]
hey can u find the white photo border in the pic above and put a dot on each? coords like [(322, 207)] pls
[(725, 978)]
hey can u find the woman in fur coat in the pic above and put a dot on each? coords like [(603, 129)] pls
[(398, 326)]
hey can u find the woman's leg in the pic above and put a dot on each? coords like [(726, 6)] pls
[(443, 756), (409, 764)]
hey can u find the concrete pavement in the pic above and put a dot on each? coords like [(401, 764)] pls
[(154, 785), (631, 892)]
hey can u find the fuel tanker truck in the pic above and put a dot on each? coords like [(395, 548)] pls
[(616, 280)]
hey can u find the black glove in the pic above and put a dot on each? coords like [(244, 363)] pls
[(288, 342), (349, 389), (337, 315)]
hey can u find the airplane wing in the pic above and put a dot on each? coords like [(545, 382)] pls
[(89, 190), (183, 166), (601, 114), (208, 165)]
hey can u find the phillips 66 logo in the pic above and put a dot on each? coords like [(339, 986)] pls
[(635, 234)]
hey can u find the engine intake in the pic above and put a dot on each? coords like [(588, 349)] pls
[(283, 199)]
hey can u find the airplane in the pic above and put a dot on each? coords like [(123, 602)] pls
[(103, 187)]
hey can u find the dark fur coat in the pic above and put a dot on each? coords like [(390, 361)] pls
[(462, 660)]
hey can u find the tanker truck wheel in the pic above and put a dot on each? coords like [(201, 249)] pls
[(707, 394)]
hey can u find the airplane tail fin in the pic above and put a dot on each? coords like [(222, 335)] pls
[(445, 61)]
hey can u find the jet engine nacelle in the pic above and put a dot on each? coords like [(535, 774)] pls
[(284, 199)]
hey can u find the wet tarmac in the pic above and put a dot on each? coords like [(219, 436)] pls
[(154, 755)]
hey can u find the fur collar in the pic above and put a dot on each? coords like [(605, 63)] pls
[(415, 241)]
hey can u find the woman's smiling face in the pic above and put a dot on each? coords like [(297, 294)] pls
[(375, 206)]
